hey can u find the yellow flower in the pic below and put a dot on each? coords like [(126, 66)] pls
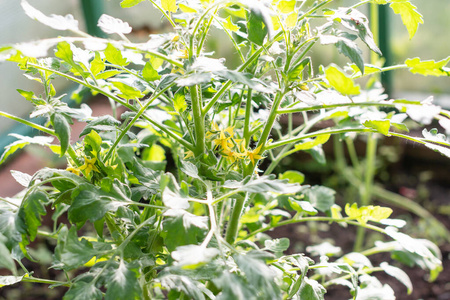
[(223, 140), (188, 154), (75, 171), (255, 154), (89, 165)]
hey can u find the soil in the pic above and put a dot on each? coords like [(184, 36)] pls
[(417, 173)]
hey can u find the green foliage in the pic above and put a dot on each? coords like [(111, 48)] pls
[(170, 199)]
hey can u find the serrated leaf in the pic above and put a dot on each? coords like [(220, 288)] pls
[(123, 284), (62, 130), (114, 56), (97, 65), (263, 184), (399, 274), (428, 67), (182, 284), (320, 197), (186, 9), (364, 214), (22, 142), (411, 18), (129, 3), (179, 103), (311, 290), (107, 74), (341, 82), (189, 169), (424, 113), (54, 21), (382, 126), (92, 203), (228, 24), (169, 5), (30, 212), (303, 206), (83, 290), (23, 179), (149, 73), (258, 275), (256, 29), (65, 52), (234, 287), (9, 280), (193, 256), (112, 25), (71, 252), (277, 245), (26, 94), (127, 91), (182, 228), (347, 47), (286, 6), (321, 139), (324, 249)]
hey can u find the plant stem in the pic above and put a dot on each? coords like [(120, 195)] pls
[(45, 281), (26, 122), (368, 183), (199, 121), (248, 113), (233, 224)]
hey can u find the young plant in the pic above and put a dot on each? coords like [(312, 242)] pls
[(171, 199)]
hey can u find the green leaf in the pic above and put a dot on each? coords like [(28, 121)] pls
[(6, 261), (311, 290), (277, 245), (71, 252), (303, 206), (189, 169), (62, 130), (382, 126), (183, 284), (54, 21), (107, 74), (123, 284), (26, 94), (186, 9), (182, 228), (22, 142), (92, 203), (258, 275), (129, 3), (364, 214), (256, 29), (428, 67), (398, 274), (81, 290), (193, 256), (234, 287), (9, 280), (347, 47), (97, 65), (292, 176), (169, 5), (149, 73), (154, 153), (179, 103), (127, 91), (321, 139), (65, 53), (114, 56), (96, 125), (30, 212), (228, 24), (262, 184), (320, 197), (286, 7), (341, 82), (411, 18)]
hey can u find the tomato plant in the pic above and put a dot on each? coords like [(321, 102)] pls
[(171, 199)]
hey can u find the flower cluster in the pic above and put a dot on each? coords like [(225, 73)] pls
[(233, 149)]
